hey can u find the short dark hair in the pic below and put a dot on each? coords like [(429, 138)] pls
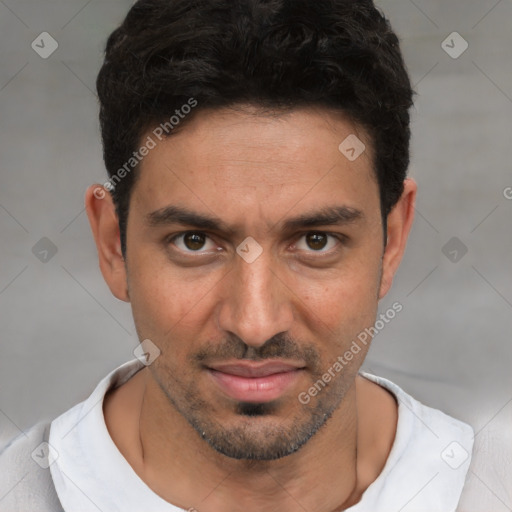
[(276, 54)]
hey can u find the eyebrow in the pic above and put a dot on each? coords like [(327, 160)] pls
[(327, 216)]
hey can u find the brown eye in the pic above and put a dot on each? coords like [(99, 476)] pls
[(194, 241), (316, 241)]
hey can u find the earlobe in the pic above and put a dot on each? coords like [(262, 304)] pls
[(104, 223), (399, 225)]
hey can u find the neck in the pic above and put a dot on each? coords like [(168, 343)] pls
[(184, 470), (329, 473)]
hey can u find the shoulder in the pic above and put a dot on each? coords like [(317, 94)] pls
[(422, 418), (26, 482), (431, 451)]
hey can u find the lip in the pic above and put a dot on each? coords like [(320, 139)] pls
[(262, 369), (255, 382)]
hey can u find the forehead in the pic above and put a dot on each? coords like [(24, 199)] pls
[(233, 161)]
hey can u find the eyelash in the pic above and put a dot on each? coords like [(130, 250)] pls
[(338, 236)]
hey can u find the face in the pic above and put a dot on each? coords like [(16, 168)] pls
[(254, 259)]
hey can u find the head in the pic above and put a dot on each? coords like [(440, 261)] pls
[(235, 222)]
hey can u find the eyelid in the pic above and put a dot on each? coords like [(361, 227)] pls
[(340, 238), (171, 238)]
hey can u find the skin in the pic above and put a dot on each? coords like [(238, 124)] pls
[(296, 302)]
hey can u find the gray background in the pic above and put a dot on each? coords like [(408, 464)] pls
[(450, 347)]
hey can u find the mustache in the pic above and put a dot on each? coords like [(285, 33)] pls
[(280, 346)]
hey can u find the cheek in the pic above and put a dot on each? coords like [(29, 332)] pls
[(338, 308), (153, 288), (343, 295), (168, 302)]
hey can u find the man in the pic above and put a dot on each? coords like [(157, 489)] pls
[(256, 211)]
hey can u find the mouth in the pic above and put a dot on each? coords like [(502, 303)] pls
[(255, 382)]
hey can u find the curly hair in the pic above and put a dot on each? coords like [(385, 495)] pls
[(277, 54)]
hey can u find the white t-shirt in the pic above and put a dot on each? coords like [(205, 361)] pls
[(425, 471)]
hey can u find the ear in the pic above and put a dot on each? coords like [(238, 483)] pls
[(398, 226), (105, 228)]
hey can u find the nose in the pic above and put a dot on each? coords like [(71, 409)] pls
[(256, 304)]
